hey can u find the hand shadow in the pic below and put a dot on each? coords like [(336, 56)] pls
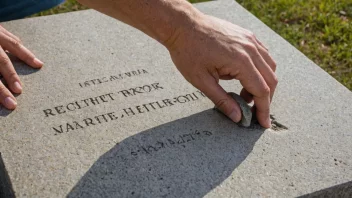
[(6, 190), (21, 69), (184, 158)]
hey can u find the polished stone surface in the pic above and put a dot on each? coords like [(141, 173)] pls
[(85, 127)]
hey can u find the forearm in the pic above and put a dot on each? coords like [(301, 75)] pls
[(163, 20), (204, 49)]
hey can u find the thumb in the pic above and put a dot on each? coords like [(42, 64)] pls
[(224, 102)]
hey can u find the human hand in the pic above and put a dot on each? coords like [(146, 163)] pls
[(12, 44), (212, 49)]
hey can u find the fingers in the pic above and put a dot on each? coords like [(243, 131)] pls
[(4, 31), (266, 71), (264, 63), (254, 82), (261, 44), (248, 97), (6, 98), (8, 72), (210, 87), (265, 53), (272, 81), (266, 67), (12, 44)]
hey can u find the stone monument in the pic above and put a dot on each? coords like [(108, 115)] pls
[(110, 116)]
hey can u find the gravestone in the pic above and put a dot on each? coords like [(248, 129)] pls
[(110, 116)]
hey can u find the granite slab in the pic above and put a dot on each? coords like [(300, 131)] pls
[(110, 116)]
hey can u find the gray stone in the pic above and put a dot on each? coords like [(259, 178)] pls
[(245, 110), (166, 141)]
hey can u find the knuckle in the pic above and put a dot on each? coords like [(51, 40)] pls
[(15, 42), (250, 35), (12, 76), (222, 104), (245, 58), (275, 80), (273, 83), (273, 66), (265, 91), (4, 60), (250, 47)]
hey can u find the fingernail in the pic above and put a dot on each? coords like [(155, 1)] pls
[(10, 103), (234, 117), (38, 62), (18, 87)]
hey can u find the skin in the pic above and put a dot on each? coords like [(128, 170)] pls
[(12, 44), (205, 49)]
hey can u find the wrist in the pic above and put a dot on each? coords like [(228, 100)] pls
[(184, 18)]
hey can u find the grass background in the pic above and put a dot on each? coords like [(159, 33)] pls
[(321, 29)]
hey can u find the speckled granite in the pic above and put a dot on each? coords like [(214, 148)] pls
[(110, 116)]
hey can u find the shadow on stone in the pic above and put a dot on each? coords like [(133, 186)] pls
[(21, 67), (4, 112), (342, 190), (6, 190), (185, 158)]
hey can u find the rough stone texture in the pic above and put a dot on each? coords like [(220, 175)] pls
[(183, 150), (245, 110)]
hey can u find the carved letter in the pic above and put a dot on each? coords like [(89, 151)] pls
[(147, 88), (156, 86), (88, 121), (47, 112), (60, 110), (112, 116), (128, 111), (125, 93), (68, 107), (69, 127), (58, 131)]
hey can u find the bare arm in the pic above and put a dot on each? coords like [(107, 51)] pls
[(160, 19), (205, 49)]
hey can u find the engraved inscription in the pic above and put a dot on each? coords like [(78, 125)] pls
[(170, 142), (142, 89), (80, 104), (106, 79), (125, 112), (105, 98), (99, 119)]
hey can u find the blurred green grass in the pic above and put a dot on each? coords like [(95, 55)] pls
[(321, 29)]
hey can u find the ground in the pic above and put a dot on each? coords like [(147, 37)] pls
[(322, 30)]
